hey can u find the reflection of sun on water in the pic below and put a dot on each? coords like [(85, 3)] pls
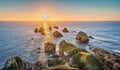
[(47, 38)]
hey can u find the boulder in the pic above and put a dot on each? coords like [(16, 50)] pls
[(42, 31), (65, 30), (57, 34), (36, 30), (16, 63), (50, 48), (82, 37), (55, 27)]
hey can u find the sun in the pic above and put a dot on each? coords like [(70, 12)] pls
[(45, 17)]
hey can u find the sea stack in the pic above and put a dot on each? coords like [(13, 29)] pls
[(55, 27), (41, 30), (36, 30), (65, 30), (57, 34), (82, 37)]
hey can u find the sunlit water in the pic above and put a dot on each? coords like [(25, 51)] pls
[(16, 38)]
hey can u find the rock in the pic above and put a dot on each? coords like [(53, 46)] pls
[(16, 63), (42, 31), (65, 47), (36, 30), (50, 27), (55, 62), (38, 66), (38, 48), (32, 38), (62, 68), (57, 34), (50, 48), (111, 61), (116, 66), (55, 27), (65, 30), (84, 60), (91, 37), (82, 37)]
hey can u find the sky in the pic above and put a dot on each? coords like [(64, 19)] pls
[(60, 10)]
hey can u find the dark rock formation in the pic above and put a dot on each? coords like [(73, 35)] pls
[(55, 27), (57, 34), (50, 27), (50, 48), (111, 61), (91, 37), (65, 30), (16, 63), (82, 37), (42, 31), (36, 30)]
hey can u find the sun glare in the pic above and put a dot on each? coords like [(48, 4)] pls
[(45, 17)]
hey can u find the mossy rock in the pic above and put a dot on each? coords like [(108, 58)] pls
[(55, 62), (94, 63), (66, 47)]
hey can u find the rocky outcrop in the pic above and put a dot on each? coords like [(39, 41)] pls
[(57, 34), (111, 61), (82, 37), (55, 27), (65, 30), (80, 58)]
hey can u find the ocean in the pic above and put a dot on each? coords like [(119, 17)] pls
[(19, 39)]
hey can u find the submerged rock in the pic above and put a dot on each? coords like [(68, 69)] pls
[(111, 61), (57, 34), (91, 37), (65, 30), (82, 37), (55, 27)]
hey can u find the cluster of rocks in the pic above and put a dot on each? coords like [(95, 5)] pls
[(41, 30), (70, 58), (55, 34), (79, 58), (111, 61)]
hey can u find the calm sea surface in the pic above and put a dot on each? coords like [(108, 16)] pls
[(15, 37)]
